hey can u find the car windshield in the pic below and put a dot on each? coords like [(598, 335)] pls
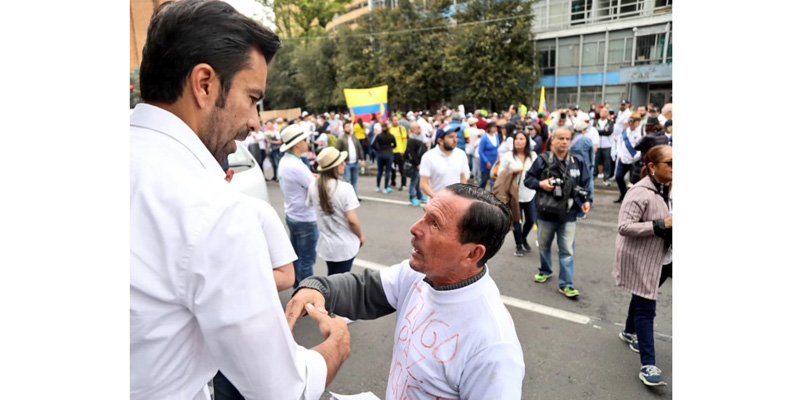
[(239, 158)]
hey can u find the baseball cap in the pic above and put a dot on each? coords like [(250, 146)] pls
[(624, 102)]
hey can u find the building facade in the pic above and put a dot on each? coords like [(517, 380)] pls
[(598, 51)]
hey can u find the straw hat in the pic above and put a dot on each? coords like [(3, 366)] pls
[(292, 135), (329, 157)]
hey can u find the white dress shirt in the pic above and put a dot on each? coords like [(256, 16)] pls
[(202, 292)]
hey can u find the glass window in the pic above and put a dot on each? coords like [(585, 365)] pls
[(663, 3), (581, 10), (593, 53), (567, 56), (616, 50), (650, 49), (547, 61)]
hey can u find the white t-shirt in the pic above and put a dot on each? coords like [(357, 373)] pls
[(605, 141), (474, 140), (280, 247), (295, 178), (453, 344), (337, 242), (634, 136), (505, 147), (443, 170), (352, 156), (323, 139), (425, 130), (593, 134), (509, 161)]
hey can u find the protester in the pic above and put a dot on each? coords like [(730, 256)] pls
[(443, 165), (560, 176), (654, 136), (335, 203), (644, 255), (581, 146), (400, 134), (384, 145), (519, 161), (193, 238), (626, 153), (467, 347), (487, 154), (604, 128), (349, 143), (412, 158)]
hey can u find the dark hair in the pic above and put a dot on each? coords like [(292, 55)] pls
[(527, 151), (486, 222), (360, 122), (655, 155), (185, 33), (322, 188)]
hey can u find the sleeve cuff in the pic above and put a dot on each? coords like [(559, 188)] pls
[(312, 283), (316, 372)]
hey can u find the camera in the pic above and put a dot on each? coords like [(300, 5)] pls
[(581, 192), (557, 183)]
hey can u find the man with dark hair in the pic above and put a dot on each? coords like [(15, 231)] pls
[(454, 337), (202, 294), (444, 164), (555, 176)]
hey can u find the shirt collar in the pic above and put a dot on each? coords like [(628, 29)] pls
[(161, 121), (457, 285)]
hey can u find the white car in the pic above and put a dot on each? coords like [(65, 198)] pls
[(248, 177)]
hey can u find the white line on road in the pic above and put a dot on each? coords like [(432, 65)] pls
[(378, 199), (509, 301)]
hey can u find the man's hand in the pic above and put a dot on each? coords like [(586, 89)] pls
[(361, 239), (488, 165), (586, 207), (668, 222), (336, 347), (545, 184), (296, 307)]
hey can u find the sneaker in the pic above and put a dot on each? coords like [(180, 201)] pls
[(540, 278), (651, 376), (415, 202), (631, 339), (518, 251), (619, 200), (607, 183), (377, 188), (401, 188), (423, 199), (526, 247), (569, 291), (387, 190)]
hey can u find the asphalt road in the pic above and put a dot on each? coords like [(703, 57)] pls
[(564, 359)]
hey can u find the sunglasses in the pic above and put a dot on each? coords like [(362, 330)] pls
[(668, 163)]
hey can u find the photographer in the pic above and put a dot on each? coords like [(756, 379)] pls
[(559, 180)]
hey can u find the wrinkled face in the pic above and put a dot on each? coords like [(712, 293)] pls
[(436, 249), (662, 170), (221, 126), (561, 139), (449, 141)]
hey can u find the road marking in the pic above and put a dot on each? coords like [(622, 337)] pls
[(509, 301), (378, 199)]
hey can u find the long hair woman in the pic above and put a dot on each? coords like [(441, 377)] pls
[(644, 254), (335, 202), (518, 161)]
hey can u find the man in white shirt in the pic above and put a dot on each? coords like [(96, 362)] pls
[(445, 164), (202, 292), (626, 152), (605, 129), (454, 338)]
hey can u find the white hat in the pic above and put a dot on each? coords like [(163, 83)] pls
[(580, 125), (329, 157), (377, 129), (472, 121), (583, 116), (292, 135)]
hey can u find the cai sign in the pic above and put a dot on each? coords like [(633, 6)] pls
[(646, 73)]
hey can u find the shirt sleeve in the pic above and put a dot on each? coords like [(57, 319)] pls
[(425, 165), (348, 196), (236, 305), (396, 281), (464, 163)]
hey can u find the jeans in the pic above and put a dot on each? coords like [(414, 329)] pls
[(521, 231), (566, 254), (476, 170), (384, 166), (274, 159), (604, 159), (485, 178), (470, 162), (641, 314), (622, 169), (413, 187), (339, 267), (224, 389), (398, 167), (351, 175), (304, 236)]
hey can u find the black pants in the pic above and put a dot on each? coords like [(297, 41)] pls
[(641, 313), (622, 169), (398, 167), (604, 159), (224, 390), (521, 231)]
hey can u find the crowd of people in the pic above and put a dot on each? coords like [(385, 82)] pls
[(207, 262)]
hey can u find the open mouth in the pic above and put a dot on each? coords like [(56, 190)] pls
[(414, 249)]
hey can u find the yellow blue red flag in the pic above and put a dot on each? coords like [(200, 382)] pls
[(364, 102), (543, 107)]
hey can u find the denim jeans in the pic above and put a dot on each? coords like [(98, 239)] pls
[(275, 159), (339, 267), (384, 167), (485, 178), (351, 175), (413, 187), (303, 236), (521, 231), (641, 313), (622, 169), (566, 240)]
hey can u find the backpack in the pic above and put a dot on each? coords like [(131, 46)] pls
[(547, 204)]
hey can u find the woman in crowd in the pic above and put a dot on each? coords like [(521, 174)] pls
[(487, 153), (384, 145), (518, 161), (335, 202), (644, 254)]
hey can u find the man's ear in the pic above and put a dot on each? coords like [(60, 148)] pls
[(475, 254), (203, 85)]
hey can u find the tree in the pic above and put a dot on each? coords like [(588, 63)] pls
[(316, 74), (309, 16), (282, 89)]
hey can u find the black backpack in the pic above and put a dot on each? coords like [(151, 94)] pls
[(547, 204)]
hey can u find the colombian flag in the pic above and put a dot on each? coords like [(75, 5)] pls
[(363, 102), (543, 107)]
